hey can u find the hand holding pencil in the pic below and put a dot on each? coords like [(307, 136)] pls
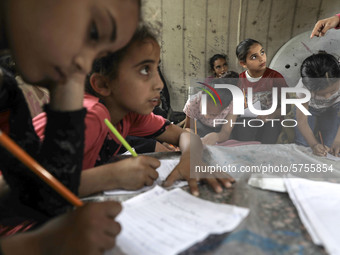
[(320, 149)]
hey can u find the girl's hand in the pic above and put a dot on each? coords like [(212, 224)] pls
[(89, 230), (137, 172), (320, 150), (210, 139), (182, 172), (335, 149)]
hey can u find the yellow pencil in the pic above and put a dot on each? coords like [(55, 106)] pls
[(35, 167), (195, 127), (245, 100), (120, 138)]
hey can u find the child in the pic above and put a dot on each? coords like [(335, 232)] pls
[(53, 44), (218, 65), (261, 79), (127, 87), (321, 76), (205, 123)]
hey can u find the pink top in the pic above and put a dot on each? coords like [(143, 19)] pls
[(338, 27), (193, 110), (96, 130)]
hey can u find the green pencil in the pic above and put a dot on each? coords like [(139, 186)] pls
[(120, 138)]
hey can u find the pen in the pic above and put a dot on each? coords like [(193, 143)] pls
[(120, 138), (35, 167), (245, 99), (321, 140), (195, 126)]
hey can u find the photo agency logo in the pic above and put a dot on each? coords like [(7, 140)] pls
[(244, 106)]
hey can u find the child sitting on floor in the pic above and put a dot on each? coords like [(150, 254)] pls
[(124, 87), (261, 79), (321, 76), (204, 123)]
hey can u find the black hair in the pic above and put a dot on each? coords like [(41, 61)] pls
[(108, 66), (319, 71), (243, 48), (215, 57), (225, 94)]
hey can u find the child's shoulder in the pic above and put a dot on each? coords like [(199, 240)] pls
[(271, 73)]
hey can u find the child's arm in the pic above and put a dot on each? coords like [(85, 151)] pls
[(224, 134), (130, 174), (187, 122), (306, 131), (185, 140), (89, 229), (322, 26), (336, 144)]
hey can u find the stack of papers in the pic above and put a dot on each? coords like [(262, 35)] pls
[(318, 205), (166, 167), (168, 222)]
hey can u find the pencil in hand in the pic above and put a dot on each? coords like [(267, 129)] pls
[(35, 167), (120, 138)]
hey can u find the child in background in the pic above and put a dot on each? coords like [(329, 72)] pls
[(218, 65), (124, 87), (205, 123), (261, 79), (53, 44), (321, 76)]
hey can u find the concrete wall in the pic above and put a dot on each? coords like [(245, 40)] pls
[(191, 31)]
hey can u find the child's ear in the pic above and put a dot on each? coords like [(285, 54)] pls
[(243, 64), (99, 83)]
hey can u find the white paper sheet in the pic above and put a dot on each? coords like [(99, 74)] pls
[(166, 167), (320, 206), (267, 182), (332, 157), (168, 222)]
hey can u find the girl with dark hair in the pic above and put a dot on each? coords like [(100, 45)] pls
[(53, 44), (262, 80), (320, 74), (218, 65), (124, 87)]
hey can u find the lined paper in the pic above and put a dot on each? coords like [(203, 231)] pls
[(168, 222)]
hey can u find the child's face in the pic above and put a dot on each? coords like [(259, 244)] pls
[(138, 84), (256, 59), (220, 67), (329, 91), (50, 40)]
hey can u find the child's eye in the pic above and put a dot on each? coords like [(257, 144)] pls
[(262, 52), (145, 70), (94, 35), (253, 57)]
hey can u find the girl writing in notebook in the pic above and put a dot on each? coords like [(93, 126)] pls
[(320, 74), (53, 44), (262, 80), (124, 87)]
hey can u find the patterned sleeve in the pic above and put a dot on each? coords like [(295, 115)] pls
[(61, 154), (192, 106)]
